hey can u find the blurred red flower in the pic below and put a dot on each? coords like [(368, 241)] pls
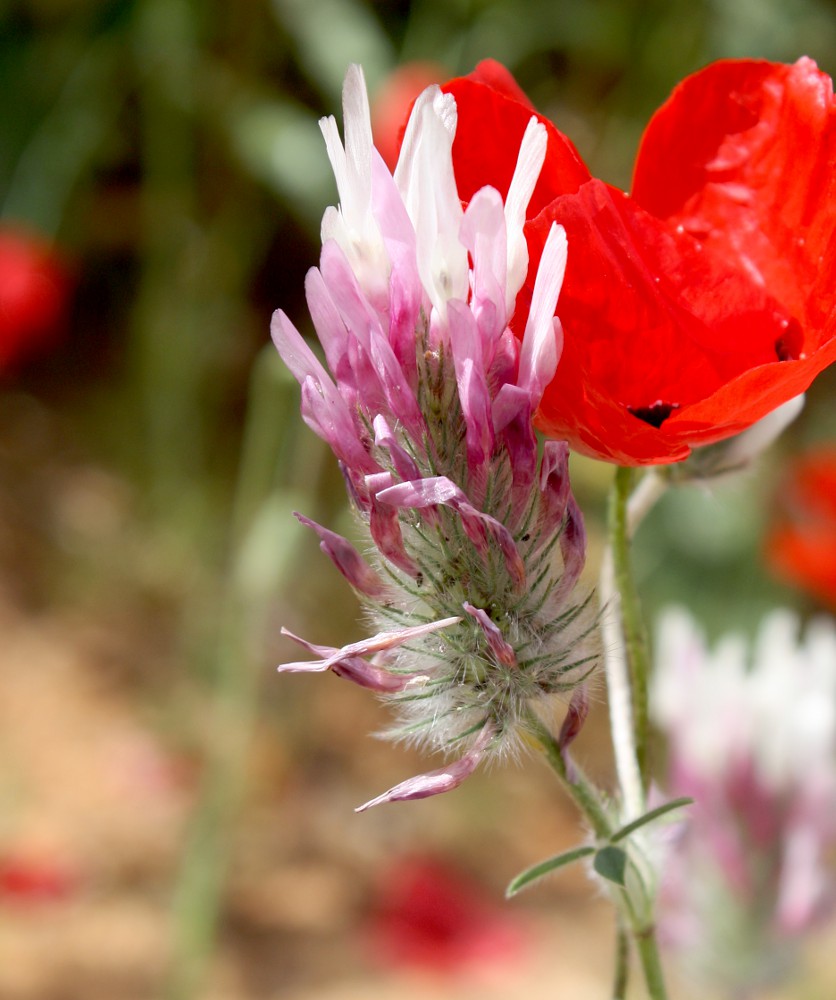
[(428, 914), (801, 544), (25, 880), (393, 101), (704, 300), (34, 296)]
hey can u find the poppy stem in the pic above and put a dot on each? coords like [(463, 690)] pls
[(628, 672), (626, 510), (619, 693)]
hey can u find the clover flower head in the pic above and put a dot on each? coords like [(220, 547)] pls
[(427, 401), (752, 737)]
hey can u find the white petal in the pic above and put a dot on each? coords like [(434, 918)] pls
[(529, 164), (543, 336)]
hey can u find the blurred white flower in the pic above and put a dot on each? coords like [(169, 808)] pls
[(752, 738)]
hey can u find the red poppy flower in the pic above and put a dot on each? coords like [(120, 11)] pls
[(30, 880), (427, 914), (34, 295), (801, 545), (704, 300)]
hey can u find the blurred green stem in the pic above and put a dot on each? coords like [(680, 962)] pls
[(269, 439), (622, 957), (200, 884), (166, 334), (63, 147)]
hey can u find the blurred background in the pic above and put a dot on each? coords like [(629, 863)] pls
[(177, 819)]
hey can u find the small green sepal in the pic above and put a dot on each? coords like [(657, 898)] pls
[(545, 867)]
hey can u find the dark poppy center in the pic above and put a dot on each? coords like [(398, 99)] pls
[(789, 346), (655, 414)]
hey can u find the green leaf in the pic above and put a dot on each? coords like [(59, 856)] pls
[(648, 817), (545, 867), (611, 864)]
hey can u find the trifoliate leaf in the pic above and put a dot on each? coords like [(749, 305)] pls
[(545, 867), (648, 817), (611, 864)]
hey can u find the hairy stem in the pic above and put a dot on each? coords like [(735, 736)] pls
[(635, 638), (628, 673), (631, 924), (576, 784), (622, 958), (651, 964), (619, 691)]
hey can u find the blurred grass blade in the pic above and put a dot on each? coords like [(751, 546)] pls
[(330, 34), (63, 147), (280, 143)]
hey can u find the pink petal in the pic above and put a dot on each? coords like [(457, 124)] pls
[(352, 668), (474, 394), (384, 438), (422, 492), (347, 560), (500, 535), (572, 548), (389, 640), (555, 487), (511, 416), (444, 779), (322, 651), (323, 408), (502, 650), (386, 377), (575, 718), (385, 527), (367, 675), (478, 527)]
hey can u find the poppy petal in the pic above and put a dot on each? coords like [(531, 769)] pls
[(742, 155), (491, 126), (654, 322)]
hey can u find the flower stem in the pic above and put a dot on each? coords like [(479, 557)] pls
[(628, 672), (619, 693), (588, 800), (578, 786), (622, 956), (651, 964), (635, 638)]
